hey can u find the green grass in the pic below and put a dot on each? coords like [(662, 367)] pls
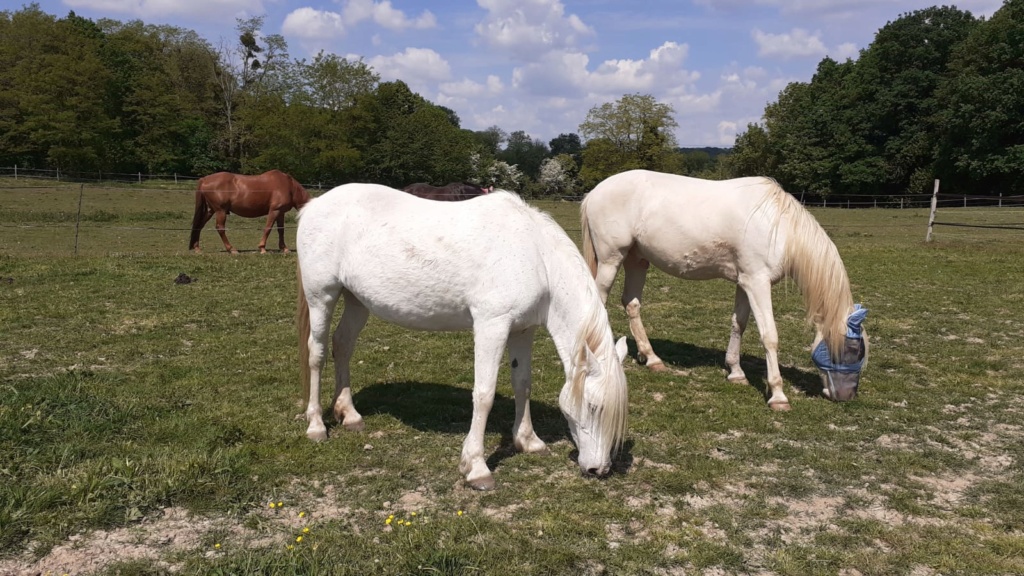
[(128, 402)]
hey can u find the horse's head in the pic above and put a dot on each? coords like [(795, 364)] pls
[(594, 403), (840, 376), (299, 194)]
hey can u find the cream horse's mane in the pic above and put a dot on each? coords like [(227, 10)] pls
[(592, 335), (813, 262)]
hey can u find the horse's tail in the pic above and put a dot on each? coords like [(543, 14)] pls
[(813, 262), (588, 241), (302, 325), (199, 217)]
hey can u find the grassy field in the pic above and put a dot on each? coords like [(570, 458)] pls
[(146, 427)]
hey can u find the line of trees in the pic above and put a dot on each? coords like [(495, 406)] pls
[(937, 94), (107, 96)]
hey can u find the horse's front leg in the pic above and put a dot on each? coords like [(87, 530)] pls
[(632, 291), (271, 217), (353, 319), (520, 351), (759, 294), (489, 343), (740, 316)]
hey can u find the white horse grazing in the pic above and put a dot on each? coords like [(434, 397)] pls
[(492, 265), (748, 231)]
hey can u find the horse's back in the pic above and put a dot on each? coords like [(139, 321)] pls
[(690, 227), (419, 263)]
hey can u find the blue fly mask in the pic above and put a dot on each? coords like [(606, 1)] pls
[(842, 376)]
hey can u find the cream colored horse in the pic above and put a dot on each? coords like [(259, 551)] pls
[(492, 265), (748, 231)]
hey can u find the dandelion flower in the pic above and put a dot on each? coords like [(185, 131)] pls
[(271, 505), (413, 513), (460, 512), (280, 504), (388, 521), (305, 530), (298, 539), (302, 514), (217, 546), (290, 547)]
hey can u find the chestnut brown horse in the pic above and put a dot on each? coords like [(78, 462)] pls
[(451, 193), (270, 194)]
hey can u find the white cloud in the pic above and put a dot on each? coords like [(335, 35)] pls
[(566, 74), (844, 51), (312, 24), (200, 9), (417, 67), (527, 29), (383, 14), (309, 24), (794, 44)]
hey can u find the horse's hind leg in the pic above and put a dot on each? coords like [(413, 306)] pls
[(222, 218), (520, 351), (353, 318), (321, 308), (759, 294), (740, 316), (280, 233), (632, 289)]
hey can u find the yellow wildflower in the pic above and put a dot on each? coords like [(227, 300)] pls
[(298, 539), (280, 504), (302, 514), (305, 530), (217, 546)]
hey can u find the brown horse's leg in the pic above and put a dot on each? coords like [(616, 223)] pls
[(280, 233), (222, 218), (206, 220), (271, 216)]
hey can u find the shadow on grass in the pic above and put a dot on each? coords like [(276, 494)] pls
[(683, 356), (445, 409)]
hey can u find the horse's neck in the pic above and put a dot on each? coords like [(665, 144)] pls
[(573, 299)]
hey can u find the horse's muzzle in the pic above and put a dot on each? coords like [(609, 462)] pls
[(840, 386)]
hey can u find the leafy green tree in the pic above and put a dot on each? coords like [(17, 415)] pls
[(753, 154), (637, 127), (982, 145), (567, 144), (52, 83), (525, 152), (407, 139)]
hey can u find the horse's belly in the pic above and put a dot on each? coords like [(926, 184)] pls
[(424, 317), (704, 262)]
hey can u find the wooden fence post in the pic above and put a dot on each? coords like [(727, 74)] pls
[(931, 218), (15, 171), (78, 218)]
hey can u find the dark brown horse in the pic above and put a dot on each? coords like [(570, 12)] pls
[(450, 193), (270, 194)]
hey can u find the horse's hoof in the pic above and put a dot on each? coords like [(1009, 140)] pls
[(780, 406), (317, 436), (737, 378), (658, 367), (483, 483), (285, 250), (233, 252), (354, 426)]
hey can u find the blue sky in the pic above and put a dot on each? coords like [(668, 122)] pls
[(540, 65)]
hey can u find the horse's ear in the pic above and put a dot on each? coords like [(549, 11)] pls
[(621, 349)]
